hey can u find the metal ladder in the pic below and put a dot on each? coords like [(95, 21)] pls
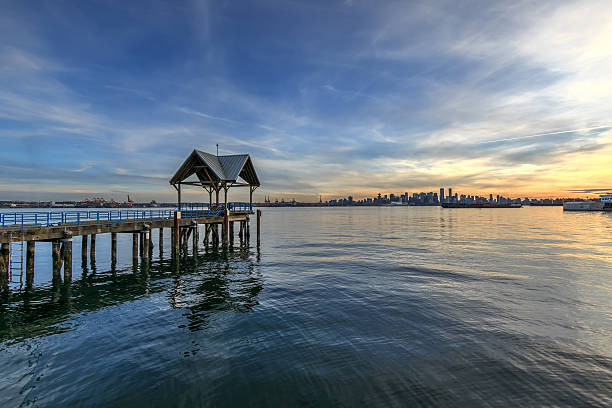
[(16, 262)]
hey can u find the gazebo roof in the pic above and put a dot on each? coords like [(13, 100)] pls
[(212, 170)]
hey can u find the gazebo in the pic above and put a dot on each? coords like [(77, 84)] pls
[(215, 173)]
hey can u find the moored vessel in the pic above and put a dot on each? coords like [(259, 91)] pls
[(588, 205), (606, 200)]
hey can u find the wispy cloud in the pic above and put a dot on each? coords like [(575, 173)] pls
[(327, 98), (558, 132), (135, 92), (207, 116)]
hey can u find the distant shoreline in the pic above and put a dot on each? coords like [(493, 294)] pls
[(256, 205)]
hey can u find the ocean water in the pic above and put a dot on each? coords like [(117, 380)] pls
[(388, 306)]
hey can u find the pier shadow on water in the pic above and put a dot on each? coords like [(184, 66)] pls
[(204, 283)]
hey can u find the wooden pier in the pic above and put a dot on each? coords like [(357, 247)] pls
[(184, 230), (212, 173)]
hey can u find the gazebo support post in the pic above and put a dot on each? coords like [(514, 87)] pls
[(179, 196), (225, 217)]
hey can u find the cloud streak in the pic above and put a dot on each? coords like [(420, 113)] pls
[(328, 99)]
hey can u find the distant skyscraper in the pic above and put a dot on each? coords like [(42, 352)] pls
[(442, 195), (450, 192)]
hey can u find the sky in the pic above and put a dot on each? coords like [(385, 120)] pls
[(330, 98)]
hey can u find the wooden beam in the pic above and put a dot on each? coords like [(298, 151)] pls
[(30, 250), (135, 246), (84, 248), (113, 248), (92, 248), (146, 238), (177, 231), (258, 226), (4, 266), (67, 256), (208, 175), (179, 196), (57, 260)]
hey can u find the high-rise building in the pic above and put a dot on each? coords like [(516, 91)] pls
[(450, 192), (442, 195)]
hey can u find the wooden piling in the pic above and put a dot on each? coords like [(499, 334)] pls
[(258, 226), (113, 247), (57, 260), (145, 245), (92, 249), (231, 232), (135, 247), (151, 243), (4, 266), (226, 225), (195, 239), (186, 233), (30, 249), (206, 233), (177, 230), (141, 247), (161, 239), (84, 248), (67, 255)]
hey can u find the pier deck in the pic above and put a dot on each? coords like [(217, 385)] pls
[(14, 233)]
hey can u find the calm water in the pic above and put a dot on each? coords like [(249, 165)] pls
[(341, 307)]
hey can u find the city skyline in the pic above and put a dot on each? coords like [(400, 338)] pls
[(329, 98), (443, 195), (326, 199)]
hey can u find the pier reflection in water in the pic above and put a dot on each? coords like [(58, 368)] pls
[(204, 283)]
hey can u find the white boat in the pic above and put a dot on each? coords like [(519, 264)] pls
[(606, 200), (588, 205)]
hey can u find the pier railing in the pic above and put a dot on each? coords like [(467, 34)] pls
[(79, 217)]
